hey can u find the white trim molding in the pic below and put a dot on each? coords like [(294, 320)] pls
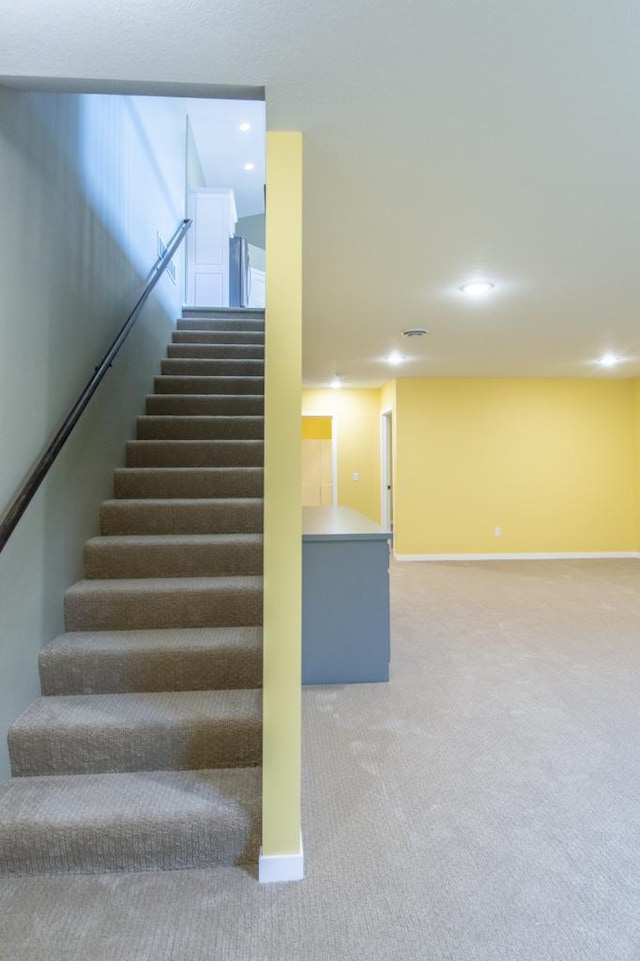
[(281, 867), (558, 556), (386, 467)]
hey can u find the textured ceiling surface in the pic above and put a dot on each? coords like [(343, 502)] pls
[(443, 140)]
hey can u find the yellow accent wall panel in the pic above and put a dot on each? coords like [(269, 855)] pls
[(282, 495), (636, 451), (316, 428), (548, 462), (356, 422)]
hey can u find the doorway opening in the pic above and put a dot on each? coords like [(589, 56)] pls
[(225, 199)]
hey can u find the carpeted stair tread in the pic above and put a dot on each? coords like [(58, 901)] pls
[(176, 384), (169, 730), (200, 428), (172, 555), (182, 516), (207, 405), (195, 453), (156, 820), (218, 337), (143, 603), (188, 482), (111, 662), (196, 351)]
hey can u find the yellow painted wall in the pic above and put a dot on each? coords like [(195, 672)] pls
[(388, 396), (549, 461), (282, 512), (316, 428), (357, 425), (636, 450)]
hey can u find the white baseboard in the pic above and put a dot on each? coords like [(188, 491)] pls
[(559, 556), (281, 867)]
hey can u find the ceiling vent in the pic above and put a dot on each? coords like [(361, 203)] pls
[(415, 332)]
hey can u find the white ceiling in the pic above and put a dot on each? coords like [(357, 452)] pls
[(441, 139), (224, 149)]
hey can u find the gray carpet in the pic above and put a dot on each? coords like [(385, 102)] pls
[(183, 659), (482, 806), (94, 823), (196, 482), (171, 730), (178, 427), (181, 516)]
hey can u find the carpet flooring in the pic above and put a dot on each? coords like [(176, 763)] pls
[(482, 806)]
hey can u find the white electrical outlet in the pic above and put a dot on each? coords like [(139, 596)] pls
[(498, 531), (355, 475)]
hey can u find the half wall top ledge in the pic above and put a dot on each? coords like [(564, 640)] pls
[(141, 88)]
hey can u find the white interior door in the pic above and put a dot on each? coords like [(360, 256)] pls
[(317, 473), (213, 212)]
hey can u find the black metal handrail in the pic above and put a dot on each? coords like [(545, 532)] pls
[(24, 496)]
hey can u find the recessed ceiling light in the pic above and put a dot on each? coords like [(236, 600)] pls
[(609, 360), (395, 358), (245, 126), (249, 166), (336, 382), (477, 288)]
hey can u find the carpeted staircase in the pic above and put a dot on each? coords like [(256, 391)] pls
[(144, 750)]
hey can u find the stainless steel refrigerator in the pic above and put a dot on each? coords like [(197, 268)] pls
[(239, 272)]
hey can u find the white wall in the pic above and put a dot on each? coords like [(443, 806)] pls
[(195, 174), (85, 184)]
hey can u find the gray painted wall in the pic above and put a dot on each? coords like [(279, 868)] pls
[(82, 195), (253, 229)]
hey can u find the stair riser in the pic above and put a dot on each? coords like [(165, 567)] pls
[(138, 517), (232, 314), (149, 671), (200, 428), (216, 352), (189, 367), (189, 820), (164, 561), (210, 405), (208, 385), (186, 453), (201, 744), (188, 483), (218, 337), (255, 326), (157, 609)]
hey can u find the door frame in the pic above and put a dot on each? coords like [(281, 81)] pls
[(386, 468)]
